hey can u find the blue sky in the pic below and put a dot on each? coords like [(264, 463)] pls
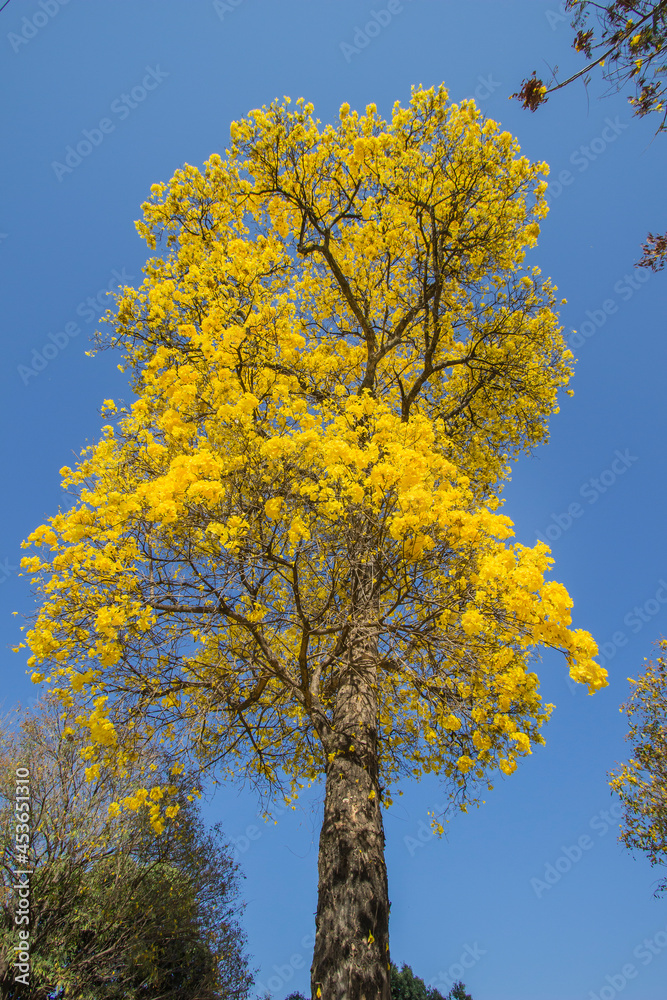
[(166, 78)]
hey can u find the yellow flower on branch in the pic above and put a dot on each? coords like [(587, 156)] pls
[(297, 516)]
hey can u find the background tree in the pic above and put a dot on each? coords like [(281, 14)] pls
[(286, 560), (642, 782), (628, 42), (458, 992), (406, 986), (115, 912)]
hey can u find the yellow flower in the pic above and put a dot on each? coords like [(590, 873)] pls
[(507, 766), (464, 764), (288, 471), (273, 507), (523, 742)]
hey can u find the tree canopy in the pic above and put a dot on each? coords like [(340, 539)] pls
[(406, 986), (342, 343), (642, 781), (285, 560)]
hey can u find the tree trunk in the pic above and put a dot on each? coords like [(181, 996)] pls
[(351, 959)]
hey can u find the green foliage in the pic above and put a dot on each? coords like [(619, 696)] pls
[(117, 913), (458, 992), (406, 986)]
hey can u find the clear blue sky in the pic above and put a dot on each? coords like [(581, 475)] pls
[(187, 70)]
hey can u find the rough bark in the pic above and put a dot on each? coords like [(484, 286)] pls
[(351, 959)]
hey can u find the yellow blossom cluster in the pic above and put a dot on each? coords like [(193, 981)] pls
[(335, 358)]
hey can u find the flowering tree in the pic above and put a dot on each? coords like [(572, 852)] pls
[(628, 45), (642, 781), (286, 559)]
